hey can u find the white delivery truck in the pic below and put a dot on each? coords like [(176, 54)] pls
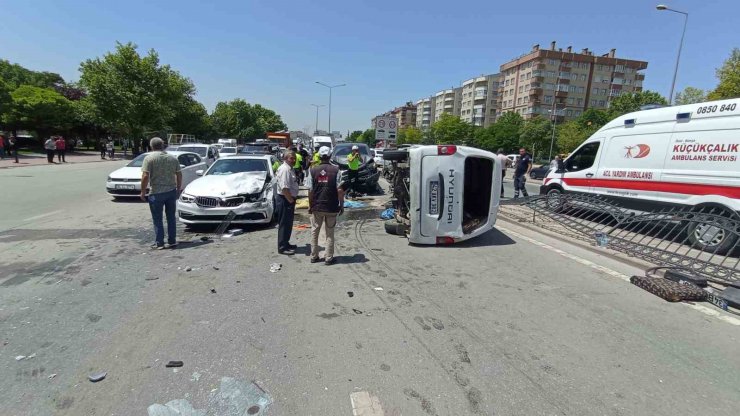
[(227, 142), (686, 155), (443, 194), (319, 141)]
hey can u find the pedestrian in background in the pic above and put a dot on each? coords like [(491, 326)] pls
[(161, 172), (50, 146), (287, 184), (3, 145), (504, 164), (61, 148), (521, 171), (111, 148), (353, 172), (103, 148), (325, 203), (13, 147)]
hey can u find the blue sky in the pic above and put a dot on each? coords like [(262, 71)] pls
[(272, 52)]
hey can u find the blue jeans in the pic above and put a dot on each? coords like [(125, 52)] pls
[(166, 200)]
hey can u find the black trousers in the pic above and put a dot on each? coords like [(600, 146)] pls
[(285, 213), (353, 177), (503, 174), (60, 155), (102, 152), (49, 156)]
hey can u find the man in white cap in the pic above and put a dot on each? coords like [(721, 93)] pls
[(325, 203), (353, 173)]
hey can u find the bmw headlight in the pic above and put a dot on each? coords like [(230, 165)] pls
[(110, 179), (187, 198)]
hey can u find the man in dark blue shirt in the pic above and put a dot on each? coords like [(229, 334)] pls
[(523, 166)]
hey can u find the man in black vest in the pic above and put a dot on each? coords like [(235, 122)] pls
[(325, 203)]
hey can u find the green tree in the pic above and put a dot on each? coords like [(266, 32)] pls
[(354, 136), (630, 102), (450, 129), (570, 135), (191, 117), (239, 119), (15, 75), (593, 118), (410, 135), (690, 95), (134, 93), (536, 134), (5, 99), (729, 78), (367, 137), (42, 110)]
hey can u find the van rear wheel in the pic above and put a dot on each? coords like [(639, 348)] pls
[(718, 236)]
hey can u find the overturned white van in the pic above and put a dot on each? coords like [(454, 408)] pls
[(443, 194), (685, 155)]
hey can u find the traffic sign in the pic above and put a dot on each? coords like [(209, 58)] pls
[(386, 128)]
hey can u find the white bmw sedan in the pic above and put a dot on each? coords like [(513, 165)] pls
[(243, 184)]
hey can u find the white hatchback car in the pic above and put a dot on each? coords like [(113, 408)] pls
[(207, 152), (243, 184), (126, 181), (227, 152)]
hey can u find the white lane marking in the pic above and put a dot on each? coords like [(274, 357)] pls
[(701, 308), (43, 215), (365, 404)]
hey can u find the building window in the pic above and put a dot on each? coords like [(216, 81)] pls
[(578, 113), (603, 91), (551, 61), (526, 100), (519, 101), (572, 88), (579, 101), (548, 99), (581, 90), (583, 77), (574, 77), (619, 68), (593, 103), (602, 103), (521, 89), (549, 86), (511, 91), (526, 87), (550, 74), (529, 75), (569, 113), (595, 91), (571, 101)]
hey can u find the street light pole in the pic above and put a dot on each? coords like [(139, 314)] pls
[(330, 87), (680, 46), (317, 117)]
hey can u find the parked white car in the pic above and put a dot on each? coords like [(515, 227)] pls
[(207, 152), (227, 151), (126, 181), (243, 184)]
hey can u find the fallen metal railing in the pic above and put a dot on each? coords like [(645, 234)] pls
[(704, 240)]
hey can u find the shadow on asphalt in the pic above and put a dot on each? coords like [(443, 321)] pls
[(491, 238), (355, 258)]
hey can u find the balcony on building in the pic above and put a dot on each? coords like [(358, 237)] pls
[(539, 65), (561, 94), (535, 91)]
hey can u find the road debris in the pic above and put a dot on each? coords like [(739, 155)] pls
[(97, 376), (378, 288), (213, 290), (187, 269), (205, 238), (354, 204), (20, 357), (174, 364), (236, 231), (151, 278), (350, 294), (51, 376), (216, 268), (388, 214), (301, 227), (275, 267), (357, 311), (234, 397)]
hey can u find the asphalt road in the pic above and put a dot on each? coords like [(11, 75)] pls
[(505, 324)]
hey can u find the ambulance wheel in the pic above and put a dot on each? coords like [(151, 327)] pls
[(395, 155), (394, 227), (554, 199), (717, 235)]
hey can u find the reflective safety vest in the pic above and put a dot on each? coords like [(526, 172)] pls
[(298, 161), (353, 161), (275, 166), (316, 160)]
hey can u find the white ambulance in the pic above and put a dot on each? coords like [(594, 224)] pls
[(686, 155)]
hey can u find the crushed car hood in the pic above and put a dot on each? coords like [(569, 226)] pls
[(227, 185)]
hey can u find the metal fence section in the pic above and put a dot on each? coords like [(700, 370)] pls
[(704, 240)]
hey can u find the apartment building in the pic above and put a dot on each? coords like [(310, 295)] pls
[(479, 100), (406, 115), (425, 113), (447, 102), (562, 84)]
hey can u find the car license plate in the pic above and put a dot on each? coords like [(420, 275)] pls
[(434, 197), (125, 186), (717, 301)]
